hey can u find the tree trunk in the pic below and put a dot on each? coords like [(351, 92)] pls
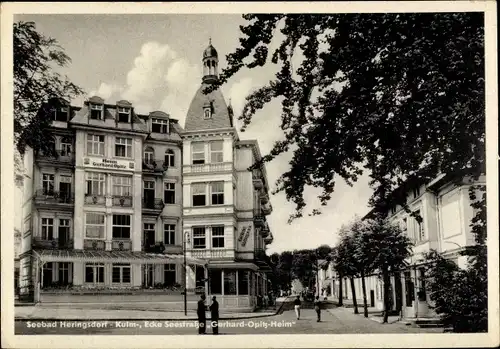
[(386, 279), (341, 295), (354, 302), (365, 302)]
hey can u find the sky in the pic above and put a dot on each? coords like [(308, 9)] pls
[(154, 61)]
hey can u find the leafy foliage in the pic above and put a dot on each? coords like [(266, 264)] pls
[(35, 83), (390, 93)]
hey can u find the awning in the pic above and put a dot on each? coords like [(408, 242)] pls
[(114, 256), (233, 265)]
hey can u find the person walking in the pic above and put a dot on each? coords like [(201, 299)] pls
[(202, 316), (317, 308), (297, 303), (214, 315)]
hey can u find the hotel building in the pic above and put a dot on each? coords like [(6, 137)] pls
[(125, 194)]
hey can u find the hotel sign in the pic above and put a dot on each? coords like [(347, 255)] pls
[(111, 164)]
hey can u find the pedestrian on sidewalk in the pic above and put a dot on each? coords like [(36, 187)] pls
[(202, 316), (297, 304), (214, 315), (317, 308)]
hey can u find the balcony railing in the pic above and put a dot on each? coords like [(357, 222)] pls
[(122, 201), (210, 253), (52, 244), (203, 168), (121, 245), (95, 200), (58, 155), (48, 196), (153, 204), (92, 244), (156, 166)]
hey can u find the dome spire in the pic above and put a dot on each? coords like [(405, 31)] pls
[(210, 63)]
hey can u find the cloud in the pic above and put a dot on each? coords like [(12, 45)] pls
[(105, 90)]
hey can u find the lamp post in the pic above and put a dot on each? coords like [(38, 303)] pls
[(185, 271)]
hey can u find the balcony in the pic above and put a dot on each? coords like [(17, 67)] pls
[(121, 245), (267, 208), (93, 244), (203, 253), (59, 156), (152, 207), (122, 201), (54, 199), (269, 239), (95, 200), (157, 167), (59, 244), (208, 168)]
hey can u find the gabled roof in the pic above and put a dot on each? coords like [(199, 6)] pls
[(195, 120)]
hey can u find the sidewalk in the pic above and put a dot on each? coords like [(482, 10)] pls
[(373, 313), (53, 314)]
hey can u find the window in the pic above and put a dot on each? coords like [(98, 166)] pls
[(199, 240), (419, 226), (207, 113), (121, 226), (422, 294), (169, 234), (95, 183), (160, 126), (169, 193), (216, 152), (416, 192), (61, 114), (66, 146), (63, 231), (169, 274), (149, 234), (121, 273), (149, 155), (217, 192), (63, 273), (94, 225), (47, 228), (198, 153), (122, 185), (199, 194), (96, 112), (94, 273), (123, 147), (48, 184), (243, 282), (218, 237), (215, 281), (123, 114), (95, 145), (170, 158), (230, 282)]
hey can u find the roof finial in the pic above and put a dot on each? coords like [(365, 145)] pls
[(210, 40)]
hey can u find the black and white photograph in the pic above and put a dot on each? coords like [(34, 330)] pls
[(220, 173)]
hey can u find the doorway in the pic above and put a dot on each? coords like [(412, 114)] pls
[(65, 189), (372, 298), (149, 194)]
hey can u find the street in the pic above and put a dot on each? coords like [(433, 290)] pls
[(334, 321)]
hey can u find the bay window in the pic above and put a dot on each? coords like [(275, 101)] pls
[(122, 186), (94, 225)]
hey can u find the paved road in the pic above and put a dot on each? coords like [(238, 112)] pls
[(338, 321)]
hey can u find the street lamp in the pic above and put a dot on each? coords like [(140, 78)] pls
[(185, 240)]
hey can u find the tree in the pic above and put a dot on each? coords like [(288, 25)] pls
[(336, 257), (35, 83), (362, 255), (371, 92), (388, 248)]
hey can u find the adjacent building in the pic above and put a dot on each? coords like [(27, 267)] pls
[(124, 199)]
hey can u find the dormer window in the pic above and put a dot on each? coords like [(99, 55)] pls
[(96, 112), (160, 126), (207, 113), (123, 114), (60, 114)]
